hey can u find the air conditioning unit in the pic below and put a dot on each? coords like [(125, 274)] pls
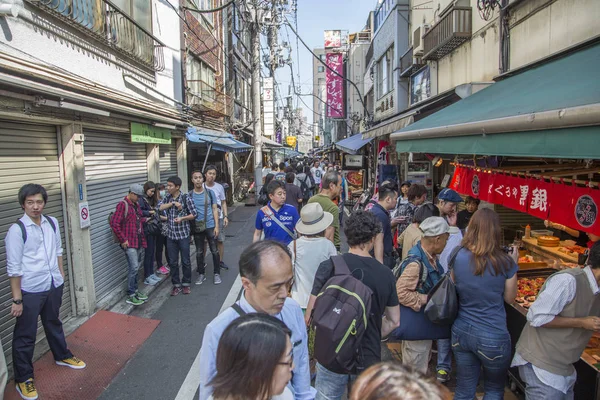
[(418, 39)]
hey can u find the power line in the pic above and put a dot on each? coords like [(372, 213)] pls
[(208, 11)]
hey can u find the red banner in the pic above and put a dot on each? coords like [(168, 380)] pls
[(561, 204), (539, 204), (335, 85), (456, 178), (517, 192)]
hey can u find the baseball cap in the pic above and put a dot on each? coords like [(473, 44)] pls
[(406, 183), (435, 226), (136, 188), (449, 195)]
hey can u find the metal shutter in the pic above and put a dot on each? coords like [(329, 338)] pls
[(112, 164), (28, 154), (168, 161)]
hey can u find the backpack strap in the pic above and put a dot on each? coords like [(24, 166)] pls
[(24, 230), (339, 265), (267, 211), (238, 309), (51, 222)]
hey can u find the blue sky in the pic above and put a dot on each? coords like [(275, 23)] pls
[(314, 17)]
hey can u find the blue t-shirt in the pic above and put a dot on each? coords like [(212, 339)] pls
[(288, 215), (199, 203), (481, 298), (384, 217)]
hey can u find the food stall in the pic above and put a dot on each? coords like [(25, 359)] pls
[(353, 152), (541, 254)]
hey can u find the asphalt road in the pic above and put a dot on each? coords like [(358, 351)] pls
[(158, 370)]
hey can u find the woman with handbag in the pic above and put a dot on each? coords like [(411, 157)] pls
[(485, 278), (151, 229), (161, 239)]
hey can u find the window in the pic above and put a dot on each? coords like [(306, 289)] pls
[(139, 10), (385, 73), (206, 19), (322, 57), (320, 68), (200, 80)]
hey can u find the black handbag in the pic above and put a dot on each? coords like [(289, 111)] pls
[(154, 226), (442, 301), (263, 199)]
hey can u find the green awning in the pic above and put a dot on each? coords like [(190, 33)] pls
[(553, 143), (514, 107)]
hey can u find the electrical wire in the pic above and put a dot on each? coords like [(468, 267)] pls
[(366, 112), (211, 10)]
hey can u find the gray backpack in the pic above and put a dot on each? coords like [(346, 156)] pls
[(340, 318)]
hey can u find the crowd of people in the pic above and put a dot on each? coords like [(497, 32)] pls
[(310, 321)]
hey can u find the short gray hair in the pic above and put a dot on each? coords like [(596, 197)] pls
[(329, 178)]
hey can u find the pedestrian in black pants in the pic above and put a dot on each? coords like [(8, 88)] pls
[(206, 226), (147, 205), (34, 265)]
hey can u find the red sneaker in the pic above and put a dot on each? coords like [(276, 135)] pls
[(176, 290), (187, 290)]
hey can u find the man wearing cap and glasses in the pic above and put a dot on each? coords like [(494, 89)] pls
[(448, 201), (310, 250), (417, 279), (126, 224)]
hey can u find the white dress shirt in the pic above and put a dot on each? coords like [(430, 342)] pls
[(35, 261), (559, 291)]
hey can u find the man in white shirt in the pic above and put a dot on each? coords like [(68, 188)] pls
[(219, 191), (317, 173), (559, 325), (34, 266)]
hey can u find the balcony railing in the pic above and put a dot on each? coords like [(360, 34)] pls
[(206, 99), (450, 32), (107, 23), (409, 64), (369, 55)]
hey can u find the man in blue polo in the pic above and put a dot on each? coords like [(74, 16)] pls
[(276, 220)]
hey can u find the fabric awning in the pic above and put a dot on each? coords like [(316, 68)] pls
[(221, 141), (390, 126), (284, 152), (353, 144), (548, 110), (266, 142)]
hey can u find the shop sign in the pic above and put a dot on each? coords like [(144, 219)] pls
[(334, 83), (333, 39), (572, 206), (142, 133), (420, 86), (353, 161), (291, 141)]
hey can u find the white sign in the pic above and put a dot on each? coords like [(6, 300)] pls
[(353, 161), (84, 215)]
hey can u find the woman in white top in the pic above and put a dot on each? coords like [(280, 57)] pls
[(254, 360), (310, 250)]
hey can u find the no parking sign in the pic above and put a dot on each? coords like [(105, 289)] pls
[(84, 215)]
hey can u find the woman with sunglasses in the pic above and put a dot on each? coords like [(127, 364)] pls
[(254, 360)]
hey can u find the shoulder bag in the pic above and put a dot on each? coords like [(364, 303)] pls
[(442, 301), (273, 218)]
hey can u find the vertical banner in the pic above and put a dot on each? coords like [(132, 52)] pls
[(335, 85)]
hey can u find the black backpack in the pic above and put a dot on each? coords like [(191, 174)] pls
[(340, 318), (304, 189), (24, 230)]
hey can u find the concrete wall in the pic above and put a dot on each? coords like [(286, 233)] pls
[(38, 36)]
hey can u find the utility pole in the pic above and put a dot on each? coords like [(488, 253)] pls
[(255, 92)]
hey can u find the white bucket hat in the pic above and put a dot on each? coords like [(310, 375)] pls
[(313, 219)]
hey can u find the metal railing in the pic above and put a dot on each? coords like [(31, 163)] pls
[(409, 63), (369, 55), (112, 26), (450, 32), (208, 99)]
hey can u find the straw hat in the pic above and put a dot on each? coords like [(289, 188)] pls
[(313, 219)]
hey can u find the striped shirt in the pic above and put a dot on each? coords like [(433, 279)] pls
[(560, 290)]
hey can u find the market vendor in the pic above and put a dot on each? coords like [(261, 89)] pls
[(464, 216), (559, 325), (565, 233)]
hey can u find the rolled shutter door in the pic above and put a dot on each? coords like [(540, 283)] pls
[(28, 154), (168, 161), (112, 164)]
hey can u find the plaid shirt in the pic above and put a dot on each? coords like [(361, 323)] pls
[(404, 210), (182, 230), (129, 228)]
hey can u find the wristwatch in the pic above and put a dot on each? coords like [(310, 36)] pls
[(225, 217), (17, 302)]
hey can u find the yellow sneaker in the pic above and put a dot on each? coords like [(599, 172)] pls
[(72, 362), (27, 389)]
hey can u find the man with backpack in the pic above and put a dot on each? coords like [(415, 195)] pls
[(127, 226), (34, 265), (267, 276), (354, 292), (179, 208), (418, 274)]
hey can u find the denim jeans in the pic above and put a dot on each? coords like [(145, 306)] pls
[(209, 236), (331, 386), (174, 249), (149, 255), (536, 389), (134, 259), (473, 348), (444, 357)]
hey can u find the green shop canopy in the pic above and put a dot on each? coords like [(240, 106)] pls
[(550, 110)]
